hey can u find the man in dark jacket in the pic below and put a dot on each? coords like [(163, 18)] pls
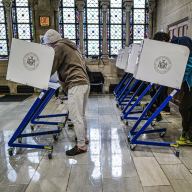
[(71, 70)]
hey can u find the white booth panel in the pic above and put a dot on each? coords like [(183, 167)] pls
[(30, 63), (125, 58), (162, 63), (119, 59), (133, 57)]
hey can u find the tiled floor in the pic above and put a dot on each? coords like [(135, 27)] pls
[(109, 165)]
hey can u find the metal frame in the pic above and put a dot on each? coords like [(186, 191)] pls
[(126, 113), (36, 116), (133, 135), (121, 83), (31, 115)]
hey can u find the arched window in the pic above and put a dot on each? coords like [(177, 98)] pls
[(3, 33), (92, 28), (68, 18), (116, 27), (22, 20), (139, 21)]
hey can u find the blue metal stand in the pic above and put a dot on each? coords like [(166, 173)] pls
[(134, 135), (125, 115), (124, 88), (121, 83), (132, 99), (127, 92), (37, 116), (38, 106)]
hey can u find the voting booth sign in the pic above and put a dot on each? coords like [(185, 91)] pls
[(133, 58), (30, 63), (162, 63)]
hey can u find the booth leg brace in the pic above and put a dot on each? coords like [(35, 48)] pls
[(134, 135), (35, 109)]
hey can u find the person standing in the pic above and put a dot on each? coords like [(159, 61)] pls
[(70, 67), (185, 106)]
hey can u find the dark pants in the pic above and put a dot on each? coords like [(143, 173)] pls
[(57, 93), (185, 108), (162, 96)]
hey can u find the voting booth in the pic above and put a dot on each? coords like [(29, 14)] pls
[(162, 63), (157, 63), (30, 63), (130, 83), (125, 56), (119, 58), (133, 58)]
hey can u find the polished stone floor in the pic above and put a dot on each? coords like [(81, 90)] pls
[(108, 166)]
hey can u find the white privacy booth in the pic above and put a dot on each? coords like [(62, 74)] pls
[(30, 63), (162, 63), (125, 57), (119, 58), (133, 58)]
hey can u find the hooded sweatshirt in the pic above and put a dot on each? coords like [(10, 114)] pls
[(69, 64)]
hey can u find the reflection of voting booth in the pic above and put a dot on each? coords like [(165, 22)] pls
[(163, 64), (31, 64)]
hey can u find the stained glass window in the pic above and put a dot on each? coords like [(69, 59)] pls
[(22, 20), (116, 27), (139, 21), (68, 18), (3, 33), (92, 28), (139, 4), (116, 3)]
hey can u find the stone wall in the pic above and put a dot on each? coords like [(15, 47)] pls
[(171, 11)]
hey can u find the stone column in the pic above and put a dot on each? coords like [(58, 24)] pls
[(152, 4), (80, 7), (43, 8), (127, 5), (104, 7), (8, 6), (55, 4)]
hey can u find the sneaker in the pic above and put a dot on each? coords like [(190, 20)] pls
[(70, 124), (182, 141), (159, 118), (75, 151)]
